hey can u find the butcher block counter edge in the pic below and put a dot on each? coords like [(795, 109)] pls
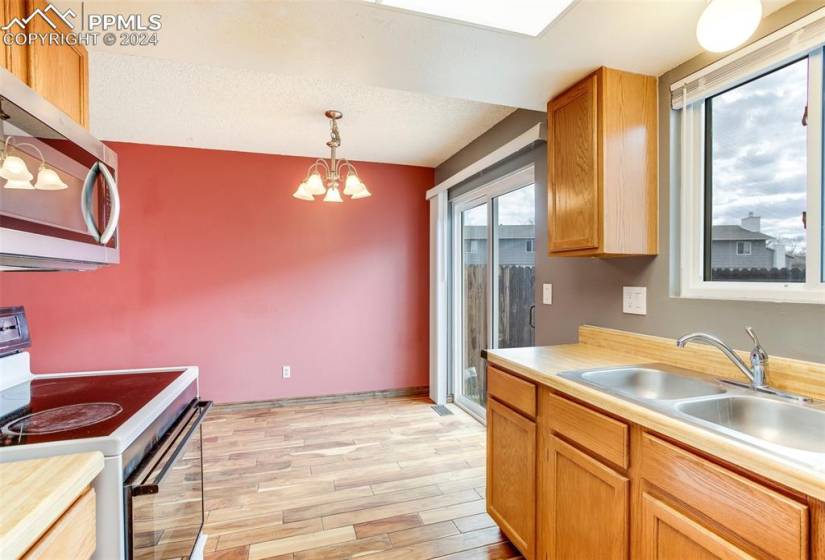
[(34, 494)]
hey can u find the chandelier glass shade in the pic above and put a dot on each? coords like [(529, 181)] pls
[(17, 175), (324, 176)]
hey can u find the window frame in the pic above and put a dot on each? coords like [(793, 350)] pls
[(694, 231), (530, 246)]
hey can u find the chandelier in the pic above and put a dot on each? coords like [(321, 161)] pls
[(323, 177)]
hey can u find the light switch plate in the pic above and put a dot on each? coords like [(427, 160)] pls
[(547, 294), (286, 371), (634, 300)]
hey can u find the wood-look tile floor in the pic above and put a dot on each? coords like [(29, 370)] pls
[(377, 479)]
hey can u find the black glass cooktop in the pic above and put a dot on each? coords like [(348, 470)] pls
[(63, 408)]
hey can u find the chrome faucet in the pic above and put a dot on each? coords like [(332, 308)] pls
[(758, 357), (755, 373)]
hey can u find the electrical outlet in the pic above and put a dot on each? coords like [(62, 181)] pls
[(634, 300), (547, 294), (287, 372)]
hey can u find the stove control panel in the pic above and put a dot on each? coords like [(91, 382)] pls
[(14, 330)]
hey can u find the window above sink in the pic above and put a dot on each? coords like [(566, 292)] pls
[(751, 173)]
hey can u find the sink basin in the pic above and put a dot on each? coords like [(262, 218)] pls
[(652, 384), (783, 424)]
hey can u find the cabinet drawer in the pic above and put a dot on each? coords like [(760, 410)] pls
[(768, 520), (74, 531), (511, 390), (605, 436)]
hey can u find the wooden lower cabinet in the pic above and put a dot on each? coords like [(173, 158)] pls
[(587, 511), (668, 534), (606, 489), (511, 475), (71, 536)]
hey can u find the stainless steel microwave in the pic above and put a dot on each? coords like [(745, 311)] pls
[(59, 201)]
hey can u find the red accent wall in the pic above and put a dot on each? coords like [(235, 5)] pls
[(222, 268)]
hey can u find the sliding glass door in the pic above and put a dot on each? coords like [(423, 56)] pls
[(493, 280), (515, 265), (474, 308)]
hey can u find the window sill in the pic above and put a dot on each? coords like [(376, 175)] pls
[(767, 292)]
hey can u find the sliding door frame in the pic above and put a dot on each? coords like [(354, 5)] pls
[(522, 177)]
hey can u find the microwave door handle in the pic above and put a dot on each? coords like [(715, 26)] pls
[(86, 201), (174, 453), (114, 200)]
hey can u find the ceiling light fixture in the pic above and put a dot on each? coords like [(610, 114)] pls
[(17, 175), (726, 24), (316, 184)]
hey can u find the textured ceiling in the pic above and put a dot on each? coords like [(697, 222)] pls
[(155, 101), (366, 43), (255, 75)]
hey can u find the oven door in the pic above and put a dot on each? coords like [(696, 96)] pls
[(164, 497)]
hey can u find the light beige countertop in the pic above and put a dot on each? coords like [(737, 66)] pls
[(543, 364), (34, 494)]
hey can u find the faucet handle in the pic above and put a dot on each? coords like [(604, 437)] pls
[(757, 346), (752, 334)]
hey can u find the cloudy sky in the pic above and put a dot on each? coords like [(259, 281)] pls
[(514, 208), (759, 162)]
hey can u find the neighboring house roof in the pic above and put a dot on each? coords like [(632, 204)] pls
[(737, 233), (504, 232)]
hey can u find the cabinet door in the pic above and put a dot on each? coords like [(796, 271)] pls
[(74, 531), (573, 218), (511, 475), (587, 510), (668, 534), (14, 57), (59, 72)]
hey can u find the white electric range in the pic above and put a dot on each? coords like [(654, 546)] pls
[(147, 424)]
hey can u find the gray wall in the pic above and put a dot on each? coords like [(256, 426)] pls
[(508, 128), (589, 291)]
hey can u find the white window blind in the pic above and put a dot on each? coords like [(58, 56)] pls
[(772, 51)]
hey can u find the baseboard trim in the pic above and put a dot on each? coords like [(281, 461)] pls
[(326, 399)]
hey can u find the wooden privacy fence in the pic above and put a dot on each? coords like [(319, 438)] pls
[(515, 297), (759, 274)]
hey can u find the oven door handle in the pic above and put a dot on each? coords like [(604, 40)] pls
[(174, 452)]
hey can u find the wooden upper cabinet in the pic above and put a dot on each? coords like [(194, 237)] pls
[(602, 166), (573, 200), (60, 73), (668, 534), (587, 510), (15, 58), (511, 475)]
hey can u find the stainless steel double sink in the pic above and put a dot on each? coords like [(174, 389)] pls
[(788, 429)]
